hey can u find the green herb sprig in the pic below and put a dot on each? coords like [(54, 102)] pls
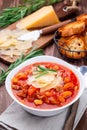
[(45, 69), (13, 14), (42, 71), (33, 53)]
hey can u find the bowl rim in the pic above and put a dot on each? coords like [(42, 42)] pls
[(43, 59)]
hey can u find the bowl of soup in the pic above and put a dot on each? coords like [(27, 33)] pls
[(45, 85)]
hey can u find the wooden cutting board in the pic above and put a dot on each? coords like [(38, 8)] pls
[(43, 40), (40, 43)]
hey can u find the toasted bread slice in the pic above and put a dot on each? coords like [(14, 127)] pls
[(74, 47), (82, 17), (72, 28)]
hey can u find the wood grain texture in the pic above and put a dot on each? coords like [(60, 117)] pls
[(5, 99), (82, 125)]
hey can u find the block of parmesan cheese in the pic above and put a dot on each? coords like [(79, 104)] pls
[(45, 16)]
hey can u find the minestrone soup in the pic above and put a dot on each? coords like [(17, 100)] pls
[(45, 85)]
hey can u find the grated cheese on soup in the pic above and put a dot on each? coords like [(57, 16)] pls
[(46, 82)]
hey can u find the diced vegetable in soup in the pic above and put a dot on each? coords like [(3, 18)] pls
[(45, 85)]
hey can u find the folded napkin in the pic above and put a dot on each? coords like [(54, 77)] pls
[(15, 118)]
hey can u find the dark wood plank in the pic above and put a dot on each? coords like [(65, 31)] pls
[(82, 125), (5, 99)]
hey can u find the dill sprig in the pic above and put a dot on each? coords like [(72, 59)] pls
[(13, 14)]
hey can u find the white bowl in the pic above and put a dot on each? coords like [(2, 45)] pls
[(44, 112)]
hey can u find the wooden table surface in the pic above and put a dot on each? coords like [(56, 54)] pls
[(5, 99)]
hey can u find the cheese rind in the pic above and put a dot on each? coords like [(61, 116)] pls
[(45, 16)]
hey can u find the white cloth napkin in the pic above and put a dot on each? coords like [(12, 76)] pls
[(15, 118)]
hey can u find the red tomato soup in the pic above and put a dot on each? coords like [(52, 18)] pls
[(45, 85)]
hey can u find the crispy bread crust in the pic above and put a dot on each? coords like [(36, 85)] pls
[(70, 45), (82, 17), (72, 28)]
